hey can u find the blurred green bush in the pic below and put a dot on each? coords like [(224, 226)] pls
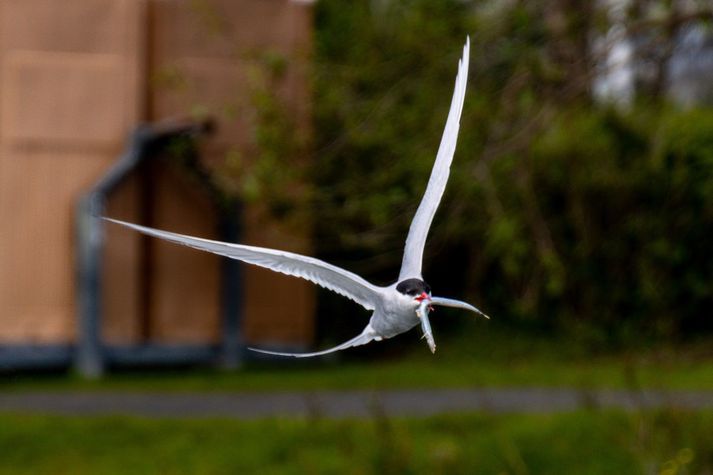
[(562, 214)]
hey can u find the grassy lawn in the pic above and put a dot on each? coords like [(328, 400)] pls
[(581, 442), (488, 358)]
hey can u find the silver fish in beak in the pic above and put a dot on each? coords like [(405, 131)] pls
[(422, 313)]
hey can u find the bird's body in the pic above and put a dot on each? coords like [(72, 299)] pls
[(395, 315), (396, 308)]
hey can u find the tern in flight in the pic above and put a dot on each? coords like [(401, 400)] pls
[(396, 308)]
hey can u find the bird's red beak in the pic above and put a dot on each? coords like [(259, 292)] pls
[(423, 296)]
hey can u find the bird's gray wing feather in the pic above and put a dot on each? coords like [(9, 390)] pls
[(361, 339), (321, 273), (444, 302), (413, 253)]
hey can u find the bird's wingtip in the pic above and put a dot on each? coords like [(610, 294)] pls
[(274, 353), (479, 312)]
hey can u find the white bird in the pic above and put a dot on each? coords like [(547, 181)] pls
[(396, 308)]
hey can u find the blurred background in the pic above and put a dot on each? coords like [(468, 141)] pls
[(579, 215)]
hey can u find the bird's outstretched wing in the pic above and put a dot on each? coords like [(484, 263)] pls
[(413, 253), (321, 273), (444, 302), (362, 339)]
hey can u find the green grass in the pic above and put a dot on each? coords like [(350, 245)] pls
[(581, 442), (490, 358)]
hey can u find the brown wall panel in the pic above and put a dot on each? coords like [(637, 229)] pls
[(227, 28), (69, 93), (213, 86), (278, 308), (205, 57), (37, 193), (96, 26), (63, 99), (122, 265), (75, 77), (185, 283)]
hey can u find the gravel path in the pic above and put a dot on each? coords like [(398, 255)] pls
[(345, 404)]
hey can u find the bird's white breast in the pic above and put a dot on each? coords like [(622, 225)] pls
[(395, 315)]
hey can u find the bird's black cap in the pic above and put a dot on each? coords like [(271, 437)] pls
[(413, 287)]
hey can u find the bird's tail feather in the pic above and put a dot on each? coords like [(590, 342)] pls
[(362, 339)]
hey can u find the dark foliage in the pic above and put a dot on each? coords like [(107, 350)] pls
[(562, 214)]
